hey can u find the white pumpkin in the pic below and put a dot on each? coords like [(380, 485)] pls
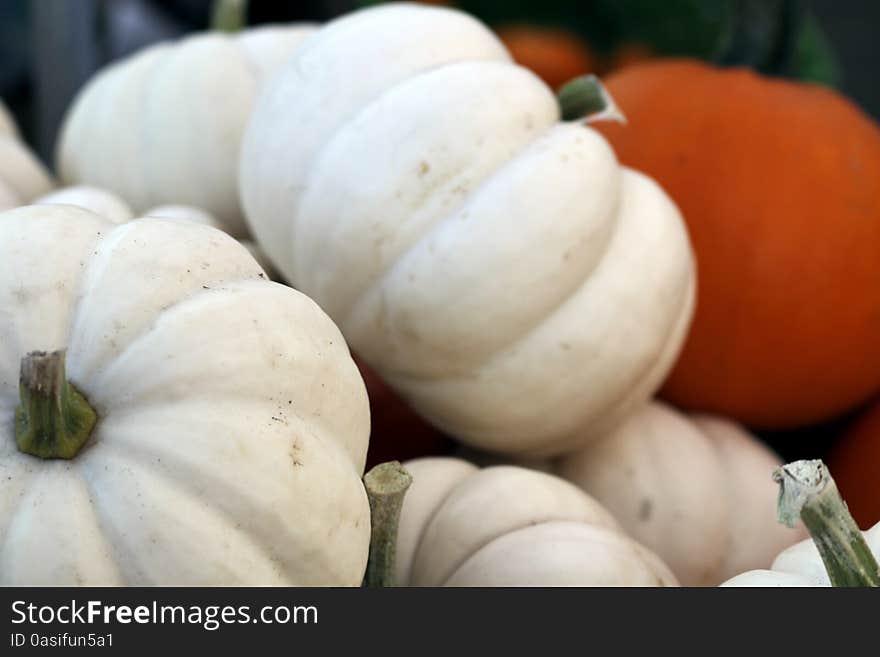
[(100, 201), (22, 176), (496, 266), (232, 424), (199, 216), (510, 526), (837, 553), (695, 489), (800, 565), (165, 125), (112, 207)]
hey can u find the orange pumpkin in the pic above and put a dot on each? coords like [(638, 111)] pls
[(779, 183), (554, 54), (855, 463)]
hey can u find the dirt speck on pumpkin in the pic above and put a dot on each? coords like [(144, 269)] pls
[(646, 510)]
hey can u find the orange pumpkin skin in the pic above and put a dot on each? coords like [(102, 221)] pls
[(779, 183), (556, 56), (854, 463)]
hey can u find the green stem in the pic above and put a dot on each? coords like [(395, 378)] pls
[(229, 15), (386, 486), (586, 99), (807, 490), (53, 419)]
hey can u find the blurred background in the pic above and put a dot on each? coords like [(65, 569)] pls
[(49, 48)]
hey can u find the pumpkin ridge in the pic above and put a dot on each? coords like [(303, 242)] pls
[(315, 168), (606, 535), (416, 468), (116, 84), (176, 59), (548, 515), (45, 477), (628, 393), (354, 24), (430, 519), (321, 424), (21, 172), (375, 285), (721, 562), (185, 485), (100, 228), (239, 40), (94, 272), (616, 409), (22, 477)]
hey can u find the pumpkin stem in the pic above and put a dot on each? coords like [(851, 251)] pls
[(386, 486), (229, 15), (586, 99), (53, 419), (807, 491)]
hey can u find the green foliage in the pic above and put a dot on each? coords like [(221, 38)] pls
[(694, 28)]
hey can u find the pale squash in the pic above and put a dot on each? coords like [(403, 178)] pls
[(199, 216), (800, 565), (112, 207), (164, 125), (229, 424), (22, 176), (839, 554), (695, 489), (496, 266), (510, 526), (100, 201)]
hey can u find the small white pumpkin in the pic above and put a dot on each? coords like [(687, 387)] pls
[(510, 526), (165, 125), (837, 554), (695, 489), (98, 200), (800, 565), (232, 424), (496, 266), (22, 176)]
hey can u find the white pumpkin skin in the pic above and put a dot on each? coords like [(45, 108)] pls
[(233, 423), (199, 216), (497, 267), (112, 207), (695, 489), (509, 526), (22, 176), (165, 125), (100, 201), (799, 565)]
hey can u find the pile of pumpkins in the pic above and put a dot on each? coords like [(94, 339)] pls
[(594, 310)]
